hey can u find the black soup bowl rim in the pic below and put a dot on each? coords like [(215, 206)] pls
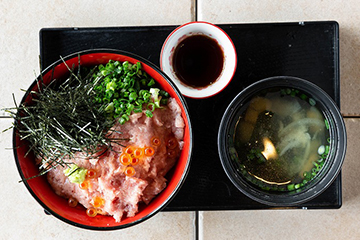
[(47, 210), (330, 170)]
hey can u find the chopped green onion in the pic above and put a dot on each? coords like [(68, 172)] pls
[(303, 96), (133, 96), (148, 113), (312, 102), (327, 149), (125, 87), (291, 187), (327, 124), (155, 94)]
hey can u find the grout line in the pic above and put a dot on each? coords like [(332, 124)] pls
[(197, 233), (196, 10), (349, 116)]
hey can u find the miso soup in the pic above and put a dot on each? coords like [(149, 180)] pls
[(281, 140)]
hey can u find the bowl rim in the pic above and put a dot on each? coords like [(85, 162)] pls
[(184, 174), (212, 25), (329, 176)]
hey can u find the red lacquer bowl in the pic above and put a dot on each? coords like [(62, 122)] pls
[(58, 206)]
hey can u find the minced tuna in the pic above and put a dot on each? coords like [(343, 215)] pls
[(132, 172)]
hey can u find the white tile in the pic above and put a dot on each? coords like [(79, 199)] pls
[(241, 11), (344, 12), (21, 20), (23, 218), (282, 224), (297, 224)]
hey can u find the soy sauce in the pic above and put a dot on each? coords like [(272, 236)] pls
[(198, 61)]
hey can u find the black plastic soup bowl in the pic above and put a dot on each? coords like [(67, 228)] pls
[(334, 159)]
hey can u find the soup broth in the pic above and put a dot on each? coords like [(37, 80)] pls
[(281, 140)]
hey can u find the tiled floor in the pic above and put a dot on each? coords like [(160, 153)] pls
[(23, 218), (20, 22), (297, 224), (344, 12)]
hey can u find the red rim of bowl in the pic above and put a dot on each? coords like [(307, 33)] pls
[(56, 205), (176, 29)]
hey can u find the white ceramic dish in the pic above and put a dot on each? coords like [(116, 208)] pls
[(212, 31)]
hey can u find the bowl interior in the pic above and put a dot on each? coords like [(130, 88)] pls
[(58, 206), (333, 162), (212, 31)]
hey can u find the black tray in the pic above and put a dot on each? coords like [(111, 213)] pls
[(308, 50)]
